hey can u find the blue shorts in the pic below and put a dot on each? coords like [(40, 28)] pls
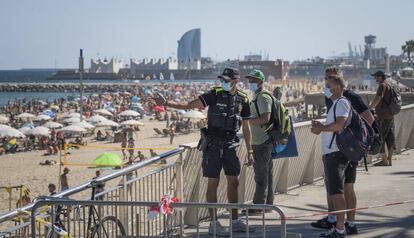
[(215, 158)]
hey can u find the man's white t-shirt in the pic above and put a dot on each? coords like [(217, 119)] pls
[(343, 108)]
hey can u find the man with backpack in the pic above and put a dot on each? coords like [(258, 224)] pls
[(334, 160), (386, 103), (262, 145), (350, 172)]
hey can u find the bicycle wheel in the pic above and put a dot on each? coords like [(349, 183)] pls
[(108, 227), (52, 234)]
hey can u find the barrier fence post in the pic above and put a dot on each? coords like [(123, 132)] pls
[(180, 190)]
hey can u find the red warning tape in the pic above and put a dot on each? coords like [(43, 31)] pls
[(347, 210)]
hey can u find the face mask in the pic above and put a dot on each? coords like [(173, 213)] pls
[(253, 87), (327, 92), (226, 86)]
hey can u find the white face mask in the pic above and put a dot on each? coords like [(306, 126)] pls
[(327, 92), (226, 86)]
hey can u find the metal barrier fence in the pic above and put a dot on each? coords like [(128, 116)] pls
[(145, 187), (150, 186), (288, 173), (102, 219)]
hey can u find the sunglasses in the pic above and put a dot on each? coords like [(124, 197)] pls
[(225, 80)]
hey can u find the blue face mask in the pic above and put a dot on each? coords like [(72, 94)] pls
[(327, 92), (226, 86), (253, 87)]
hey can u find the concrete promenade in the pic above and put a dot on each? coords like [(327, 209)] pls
[(379, 185)]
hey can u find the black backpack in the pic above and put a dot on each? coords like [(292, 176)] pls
[(375, 147), (355, 140), (395, 102)]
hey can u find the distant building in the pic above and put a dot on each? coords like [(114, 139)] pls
[(372, 55), (189, 50), (138, 65), (252, 58), (271, 69), (105, 66)]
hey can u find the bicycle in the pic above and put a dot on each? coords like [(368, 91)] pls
[(97, 226)]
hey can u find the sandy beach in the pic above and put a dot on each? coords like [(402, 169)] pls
[(23, 168)]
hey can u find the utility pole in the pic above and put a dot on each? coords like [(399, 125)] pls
[(81, 83)]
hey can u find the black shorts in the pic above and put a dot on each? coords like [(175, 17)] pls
[(350, 172), (335, 165), (215, 158), (386, 128)]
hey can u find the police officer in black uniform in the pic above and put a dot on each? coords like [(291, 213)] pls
[(228, 110)]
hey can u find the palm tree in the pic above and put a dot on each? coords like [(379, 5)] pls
[(408, 48)]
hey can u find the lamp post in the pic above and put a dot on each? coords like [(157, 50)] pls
[(81, 83)]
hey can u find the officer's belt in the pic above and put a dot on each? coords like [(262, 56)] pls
[(221, 135)]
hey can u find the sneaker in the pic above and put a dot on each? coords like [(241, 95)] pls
[(239, 226), (220, 230), (351, 230), (333, 233), (323, 224)]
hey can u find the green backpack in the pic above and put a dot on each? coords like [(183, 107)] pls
[(279, 127)]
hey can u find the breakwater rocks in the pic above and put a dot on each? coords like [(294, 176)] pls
[(65, 87)]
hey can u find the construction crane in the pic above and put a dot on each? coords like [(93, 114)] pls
[(361, 52), (356, 52), (350, 52)]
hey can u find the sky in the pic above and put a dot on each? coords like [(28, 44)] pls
[(49, 33)]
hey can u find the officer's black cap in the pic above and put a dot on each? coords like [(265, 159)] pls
[(229, 74), (380, 74)]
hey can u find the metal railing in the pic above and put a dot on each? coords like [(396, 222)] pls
[(150, 186), (9, 216), (77, 224)]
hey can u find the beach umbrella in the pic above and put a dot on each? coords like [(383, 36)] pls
[(52, 125), (96, 119), (194, 115), (10, 132), (84, 125), (24, 130), (42, 118), (103, 112), (49, 113), (30, 125), (180, 111), (42, 102), (72, 120), (71, 114), (107, 159), (107, 123), (26, 115), (132, 123), (4, 119), (72, 129), (159, 108), (38, 131), (129, 113), (54, 107)]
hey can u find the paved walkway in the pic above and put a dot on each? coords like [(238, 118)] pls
[(379, 185)]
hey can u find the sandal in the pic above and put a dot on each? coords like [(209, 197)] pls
[(382, 163)]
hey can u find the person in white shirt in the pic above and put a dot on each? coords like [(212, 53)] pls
[(334, 160)]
